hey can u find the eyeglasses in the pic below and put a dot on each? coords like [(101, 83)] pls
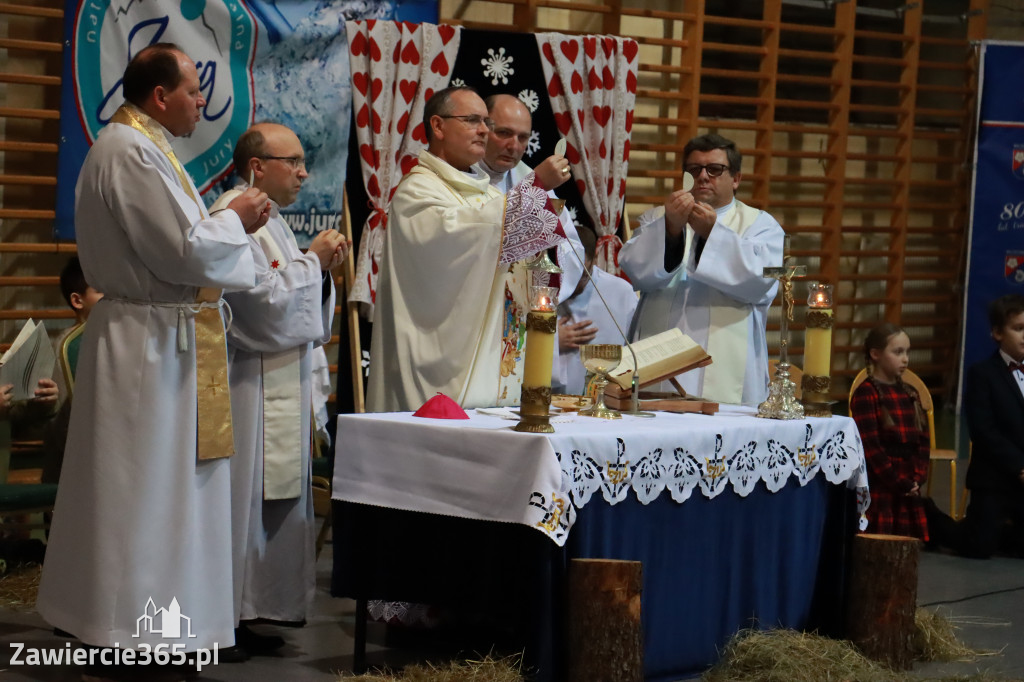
[(295, 162), (714, 169), (471, 119), (507, 134)]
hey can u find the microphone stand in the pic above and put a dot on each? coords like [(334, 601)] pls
[(635, 399)]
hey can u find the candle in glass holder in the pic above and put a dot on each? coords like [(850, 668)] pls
[(541, 325), (540, 342), (818, 334)]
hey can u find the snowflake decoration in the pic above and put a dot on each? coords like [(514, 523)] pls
[(457, 83), (530, 99), (498, 66), (534, 143), (572, 214), (275, 264), (366, 363)]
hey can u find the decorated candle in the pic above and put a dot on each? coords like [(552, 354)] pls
[(818, 334), (541, 325)]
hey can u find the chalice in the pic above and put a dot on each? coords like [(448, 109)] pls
[(600, 358)]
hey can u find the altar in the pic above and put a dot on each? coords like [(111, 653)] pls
[(739, 521)]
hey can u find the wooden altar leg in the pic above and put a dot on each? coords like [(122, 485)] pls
[(883, 598), (359, 640), (605, 631)]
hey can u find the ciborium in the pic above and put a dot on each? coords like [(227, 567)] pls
[(600, 358)]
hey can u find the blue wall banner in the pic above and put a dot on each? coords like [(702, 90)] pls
[(258, 60), (995, 265)]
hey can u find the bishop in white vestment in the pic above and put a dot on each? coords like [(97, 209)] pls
[(141, 529), (452, 296), (710, 285)]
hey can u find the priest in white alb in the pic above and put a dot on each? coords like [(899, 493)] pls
[(698, 263), (142, 520), (451, 302), (275, 327)]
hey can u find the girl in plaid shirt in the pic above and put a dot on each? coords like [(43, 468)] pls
[(894, 431)]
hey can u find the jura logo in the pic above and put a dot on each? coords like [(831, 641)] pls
[(220, 35)]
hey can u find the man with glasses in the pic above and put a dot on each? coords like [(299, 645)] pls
[(506, 144), (452, 293), (277, 327), (698, 263)]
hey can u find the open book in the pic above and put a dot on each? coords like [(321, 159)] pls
[(29, 359), (660, 357)]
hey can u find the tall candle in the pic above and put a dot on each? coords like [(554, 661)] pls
[(540, 348), (541, 325), (818, 334)]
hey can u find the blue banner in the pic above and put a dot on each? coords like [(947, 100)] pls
[(258, 60), (996, 255)]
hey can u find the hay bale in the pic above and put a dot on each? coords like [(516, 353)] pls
[(935, 639), (790, 656), (19, 587), (487, 669)]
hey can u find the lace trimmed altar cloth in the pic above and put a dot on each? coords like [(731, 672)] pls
[(481, 469)]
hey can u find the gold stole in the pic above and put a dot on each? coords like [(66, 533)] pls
[(214, 435)]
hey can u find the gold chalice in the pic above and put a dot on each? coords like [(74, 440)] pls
[(600, 358)]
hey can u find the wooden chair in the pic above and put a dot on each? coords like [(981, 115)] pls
[(68, 357), (937, 455), (796, 375)]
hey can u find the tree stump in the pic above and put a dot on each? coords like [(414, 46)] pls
[(605, 631), (883, 598)]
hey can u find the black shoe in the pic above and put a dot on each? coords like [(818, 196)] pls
[(256, 644), (233, 654)]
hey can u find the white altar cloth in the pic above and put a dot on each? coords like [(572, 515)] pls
[(480, 469)]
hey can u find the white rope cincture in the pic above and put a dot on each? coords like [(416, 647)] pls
[(193, 307)]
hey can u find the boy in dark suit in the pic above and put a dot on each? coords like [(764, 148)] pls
[(994, 401)]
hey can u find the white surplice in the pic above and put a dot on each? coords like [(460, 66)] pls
[(449, 317), (276, 326), (622, 300), (138, 518), (721, 302)]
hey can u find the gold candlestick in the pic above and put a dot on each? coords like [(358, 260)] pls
[(818, 351), (541, 325)]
